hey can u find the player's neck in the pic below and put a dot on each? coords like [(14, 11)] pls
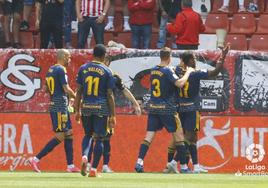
[(97, 60), (163, 64)]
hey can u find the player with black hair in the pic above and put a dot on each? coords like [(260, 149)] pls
[(95, 88), (189, 104)]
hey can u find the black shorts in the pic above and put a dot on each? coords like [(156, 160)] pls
[(15, 7)]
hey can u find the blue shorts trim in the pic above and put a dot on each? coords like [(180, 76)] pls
[(61, 121), (156, 122)]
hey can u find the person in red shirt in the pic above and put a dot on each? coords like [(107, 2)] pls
[(141, 19), (187, 27)]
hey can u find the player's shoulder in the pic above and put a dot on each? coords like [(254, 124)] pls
[(169, 69), (106, 68), (57, 68), (200, 71)]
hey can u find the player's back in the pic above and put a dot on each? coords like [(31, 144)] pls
[(189, 93), (95, 79), (163, 90), (56, 78)]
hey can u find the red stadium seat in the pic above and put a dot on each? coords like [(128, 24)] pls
[(216, 21), (237, 42), (29, 39), (262, 27), (124, 38), (259, 43), (243, 24), (107, 37)]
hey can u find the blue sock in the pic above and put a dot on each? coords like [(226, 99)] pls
[(89, 156), (171, 152), (143, 149), (68, 147), (98, 150), (106, 151), (86, 143), (48, 148), (181, 152), (193, 152)]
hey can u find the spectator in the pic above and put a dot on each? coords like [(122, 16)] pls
[(110, 24), (225, 6), (253, 6), (141, 19), (67, 22), (12, 9), (90, 16), (168, 10), (49, 19), (27, 10), (187, 27)]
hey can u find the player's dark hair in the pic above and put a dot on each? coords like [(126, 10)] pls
[(186, 56), (187, 3), (165, 53), (99, 51)]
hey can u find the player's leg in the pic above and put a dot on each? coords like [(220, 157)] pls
[(100, 130), (107, 153), (170, 156), (173, 126), (68, 145), (89, 156), (59, 137), (86, 142), (191, 129), (152, 126)]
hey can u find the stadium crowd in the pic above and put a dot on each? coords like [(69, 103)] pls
[(53, 21)]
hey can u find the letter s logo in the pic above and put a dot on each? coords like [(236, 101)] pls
[(26, 84)]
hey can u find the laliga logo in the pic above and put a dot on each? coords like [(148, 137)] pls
[(255, 153), (27, 85)]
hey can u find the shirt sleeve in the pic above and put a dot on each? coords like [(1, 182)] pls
[(178, 26), (63, 77), (200, 74), (171, 75), (111, 80), (79, 77)]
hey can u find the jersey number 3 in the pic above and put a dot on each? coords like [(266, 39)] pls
[(93, 85), (156, 91)]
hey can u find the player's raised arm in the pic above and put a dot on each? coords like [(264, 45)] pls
[(219, 64), (180, 82)]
